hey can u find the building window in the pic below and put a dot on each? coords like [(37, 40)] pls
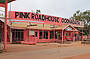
[(45, 34), (17, 34), (66, 33), (36, 34), (51, 34), (40, 34), (69, 33)]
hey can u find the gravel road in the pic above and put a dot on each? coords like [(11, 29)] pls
[(52, 53)]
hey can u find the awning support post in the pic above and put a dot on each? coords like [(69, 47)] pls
[(82, 33), (62, 36), (5, 27)]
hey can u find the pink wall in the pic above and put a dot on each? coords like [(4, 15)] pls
[(85, 37)]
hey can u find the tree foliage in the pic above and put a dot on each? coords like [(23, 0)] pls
[(82, 16), (85, 17)]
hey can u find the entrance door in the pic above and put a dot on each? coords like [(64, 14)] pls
[(68, 36), (17, 35), (59, 36), (33, 35)]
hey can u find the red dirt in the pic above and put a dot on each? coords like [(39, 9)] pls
[(18, 48), (40, 46), (84, 56)]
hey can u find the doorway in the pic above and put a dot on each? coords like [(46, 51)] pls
[(33, 35), (17, 35), (68, 35), (59, 35)]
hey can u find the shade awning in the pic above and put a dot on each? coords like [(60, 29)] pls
[(63, 27), (3, 1)]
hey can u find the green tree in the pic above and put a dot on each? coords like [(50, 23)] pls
[(82, 16), (85, 17)]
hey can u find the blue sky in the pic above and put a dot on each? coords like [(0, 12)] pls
[(59, 8)]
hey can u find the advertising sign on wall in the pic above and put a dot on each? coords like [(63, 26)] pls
[(16, 16), (34, 17)]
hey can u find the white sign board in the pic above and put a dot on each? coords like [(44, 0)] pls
[(31, 32)]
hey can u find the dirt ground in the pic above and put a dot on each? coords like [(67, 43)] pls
[(84, 56), (74, 50), (41, 46)]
